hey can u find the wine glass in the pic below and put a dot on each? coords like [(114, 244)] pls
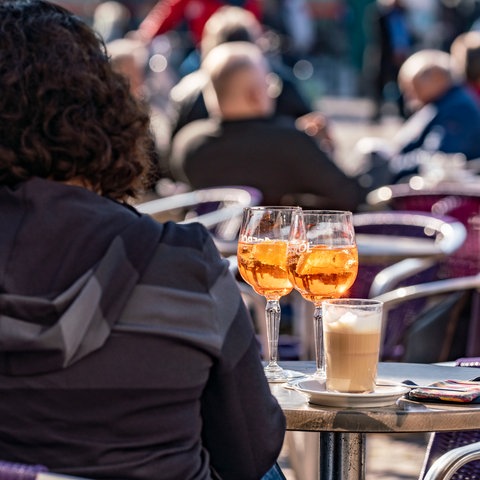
[(262, 263), (322, 263)]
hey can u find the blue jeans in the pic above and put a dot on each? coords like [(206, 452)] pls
[(274, 474)]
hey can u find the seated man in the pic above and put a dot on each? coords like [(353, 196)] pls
[(446, 118), (228, 24), (244, 143)]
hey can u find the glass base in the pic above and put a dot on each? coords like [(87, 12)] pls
[(279, 375), (319, 375)]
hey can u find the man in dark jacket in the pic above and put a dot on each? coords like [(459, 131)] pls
[(244, 143), (445, 120)]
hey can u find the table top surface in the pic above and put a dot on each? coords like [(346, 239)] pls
[(403, 416)]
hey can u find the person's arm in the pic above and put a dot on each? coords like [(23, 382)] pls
[(186, 102), (315, 125), (318, 174), (448, 130), (456, 131), (164, 16), (243, 424)]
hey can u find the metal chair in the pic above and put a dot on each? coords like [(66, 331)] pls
[(461, 462), (402, 245), (454, 455), (21, 471), (395, 249), (217, 208), (437, 331), (458, 200), (400, 248)]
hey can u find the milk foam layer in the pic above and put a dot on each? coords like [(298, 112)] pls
[(343, 320)]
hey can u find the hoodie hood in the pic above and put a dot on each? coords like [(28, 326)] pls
[(69, 260)]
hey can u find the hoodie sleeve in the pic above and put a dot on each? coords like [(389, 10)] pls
[(243, 424)]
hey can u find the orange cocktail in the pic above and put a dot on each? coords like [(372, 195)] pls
[(323, 272), (264, 267)]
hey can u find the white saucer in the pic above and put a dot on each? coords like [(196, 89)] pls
[(315, 391)]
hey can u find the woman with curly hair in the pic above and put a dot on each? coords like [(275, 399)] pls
[(125, 348)]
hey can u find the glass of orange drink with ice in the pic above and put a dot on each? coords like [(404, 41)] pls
[(322, 263)]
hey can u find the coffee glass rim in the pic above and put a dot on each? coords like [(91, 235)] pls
[(365, 302), (274, 207)]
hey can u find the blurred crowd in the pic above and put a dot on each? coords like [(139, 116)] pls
[(420, 63)]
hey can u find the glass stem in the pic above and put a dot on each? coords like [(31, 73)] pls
[(319, 347), (272, 314)]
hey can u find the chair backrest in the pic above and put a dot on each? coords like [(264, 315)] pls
[(19, 471), (22, 471), (437, 331), (57, 476), (458, 200), (218, 208), (428, 239)]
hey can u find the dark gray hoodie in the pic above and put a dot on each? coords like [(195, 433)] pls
[(125, 349)]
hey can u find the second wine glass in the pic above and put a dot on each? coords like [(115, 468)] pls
[(322, 263)]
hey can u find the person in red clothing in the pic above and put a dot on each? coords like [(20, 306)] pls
[(168, 14)]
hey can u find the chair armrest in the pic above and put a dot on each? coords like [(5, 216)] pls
[(392, 275), (446, 465), (400, 295), (212, 219), (56, 476)]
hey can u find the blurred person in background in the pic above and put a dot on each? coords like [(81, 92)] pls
[(453, 19), (465, 51), (244, 143), (226, 25), (446, 118), (390, 44), (130, 58), (168, 15), (127, 351), (291, 26), (111, 20)]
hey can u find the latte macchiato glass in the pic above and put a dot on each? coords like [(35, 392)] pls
[(351, 331)]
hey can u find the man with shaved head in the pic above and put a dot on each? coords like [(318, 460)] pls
[(446, 117), (244, 143)]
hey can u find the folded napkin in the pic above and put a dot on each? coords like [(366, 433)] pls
[(462, 391)]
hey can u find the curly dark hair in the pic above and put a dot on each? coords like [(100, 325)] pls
[(64, 113)]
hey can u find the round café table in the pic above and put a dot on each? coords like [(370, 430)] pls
[(343, 430)]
